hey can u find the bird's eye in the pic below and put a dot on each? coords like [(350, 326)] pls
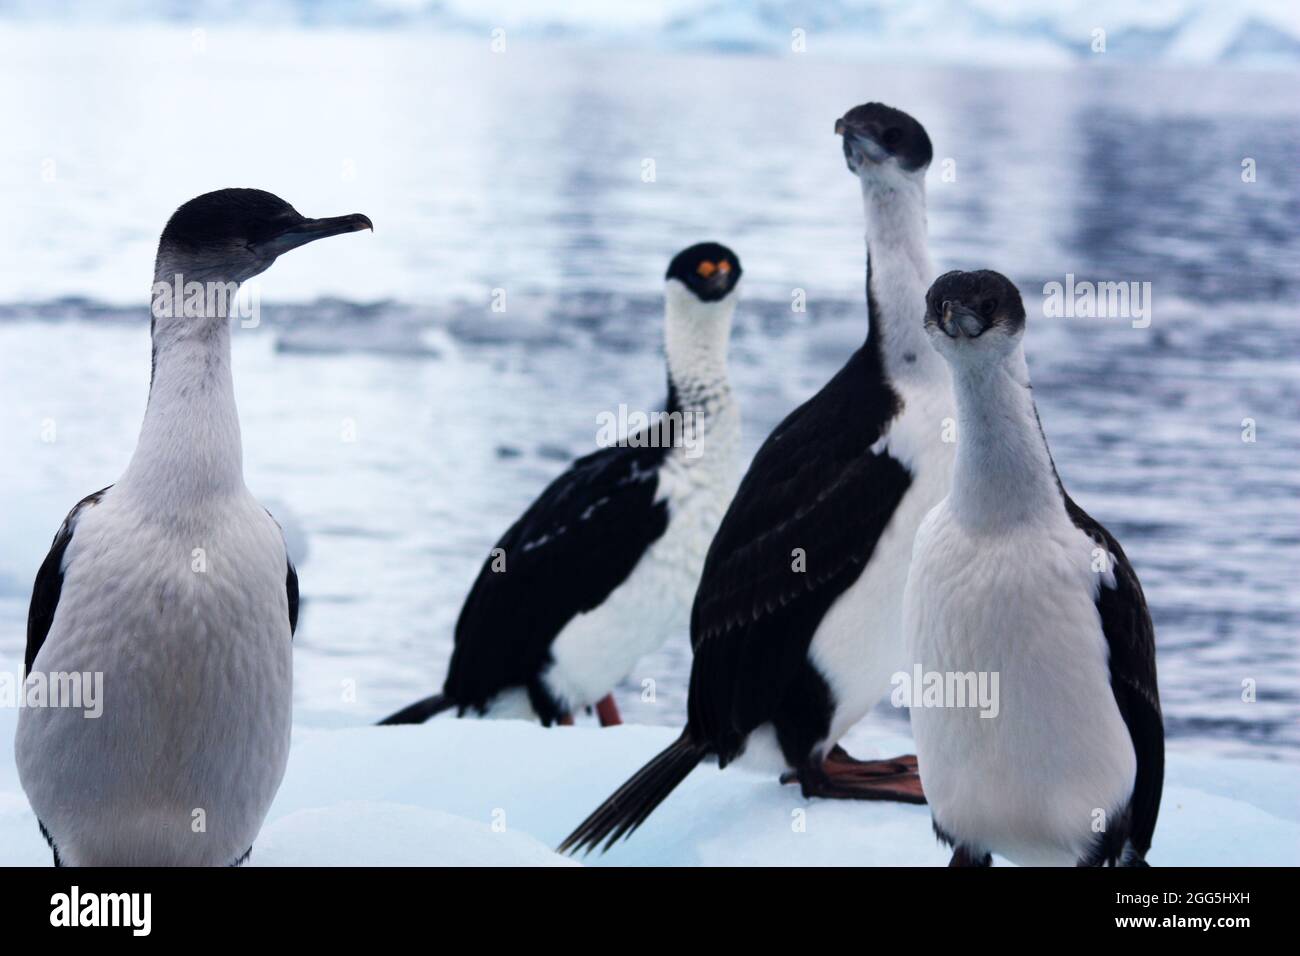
[(988, 307), (705, 269), (892, 136), (724, 266)]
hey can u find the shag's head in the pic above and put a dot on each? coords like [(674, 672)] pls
[(974, 315), (882, 144), (709, 271), (234, 234)]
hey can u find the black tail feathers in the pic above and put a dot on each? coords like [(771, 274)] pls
[(631, 803), (420, 711)]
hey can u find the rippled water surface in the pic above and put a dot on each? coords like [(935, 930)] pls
[(524, 172)]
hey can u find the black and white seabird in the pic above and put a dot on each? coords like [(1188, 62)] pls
[(600, 569), (795, 625), (1011, 577), (175, 585)]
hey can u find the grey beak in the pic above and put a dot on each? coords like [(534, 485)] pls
[(959, 320), (309, 230), (861, 140), (718, 280)]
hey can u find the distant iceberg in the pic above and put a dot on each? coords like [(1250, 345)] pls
[(1022, 32)]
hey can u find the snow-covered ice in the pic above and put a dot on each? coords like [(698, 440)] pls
[(494, 793), (376, 833)]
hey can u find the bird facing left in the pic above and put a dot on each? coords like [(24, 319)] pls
[(174, 588)]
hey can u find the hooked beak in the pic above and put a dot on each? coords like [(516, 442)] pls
[(309, 230), (957, 320)]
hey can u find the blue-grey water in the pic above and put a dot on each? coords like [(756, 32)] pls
[(398, 424)]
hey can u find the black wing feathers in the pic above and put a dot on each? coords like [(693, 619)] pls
[(1130, 636), (291, 590), (574, 545), (290, 581), (816, 496), (49, 582)]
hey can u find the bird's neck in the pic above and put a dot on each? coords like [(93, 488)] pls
[(898, 274), (1003, 475), (189, 451), (695, 339)]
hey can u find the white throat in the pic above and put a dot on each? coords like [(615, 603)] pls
[(900, 274), (696, 335), (1003, 475), (189, 449)]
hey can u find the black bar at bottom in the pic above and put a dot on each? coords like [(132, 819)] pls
[(869, 907)]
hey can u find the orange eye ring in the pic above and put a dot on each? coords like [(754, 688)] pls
[(706, 269), (724, 266)]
